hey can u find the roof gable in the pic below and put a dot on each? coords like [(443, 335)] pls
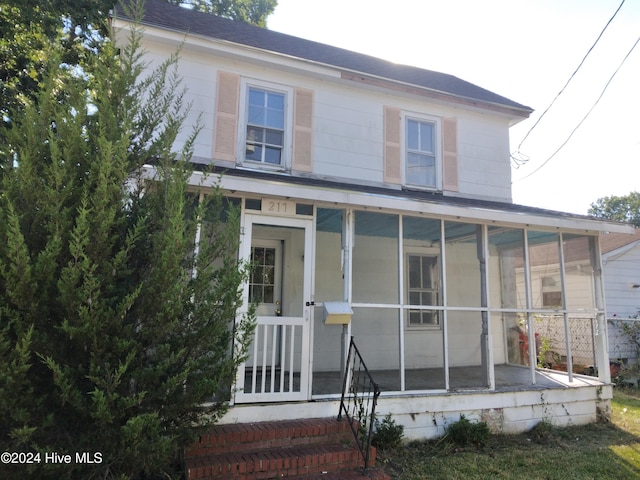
[(161, 14)]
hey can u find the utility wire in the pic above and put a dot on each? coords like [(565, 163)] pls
[(588, 113), (524, 160)]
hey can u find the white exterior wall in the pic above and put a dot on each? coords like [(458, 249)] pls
[(620, 272), (483, 157), (427, 416), (348, 135), (328, 282), (347, 121), (423, 347), (498, 337), (505, 412), (376, 333)]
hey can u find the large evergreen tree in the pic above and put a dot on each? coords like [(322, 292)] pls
[(114, 333), (26, 26)]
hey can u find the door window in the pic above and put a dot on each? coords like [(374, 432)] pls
[(263, 277)]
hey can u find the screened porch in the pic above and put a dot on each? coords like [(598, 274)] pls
[(448, 305)]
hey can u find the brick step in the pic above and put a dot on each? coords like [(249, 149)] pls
[(352, 474), (293, 462), (269, 435)]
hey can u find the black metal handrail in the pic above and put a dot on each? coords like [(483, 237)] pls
[(359, 398)]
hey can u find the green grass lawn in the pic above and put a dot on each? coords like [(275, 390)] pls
[(597, 451)]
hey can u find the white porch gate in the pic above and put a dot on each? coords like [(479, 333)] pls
[(278, 366)]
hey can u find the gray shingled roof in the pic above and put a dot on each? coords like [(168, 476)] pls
[(161, 14), (417, 195)]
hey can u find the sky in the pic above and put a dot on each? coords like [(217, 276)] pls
[(525, 50)]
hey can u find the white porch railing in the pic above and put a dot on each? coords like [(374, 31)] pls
[(277, 367)]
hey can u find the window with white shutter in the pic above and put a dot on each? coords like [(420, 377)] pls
[(420, 151)]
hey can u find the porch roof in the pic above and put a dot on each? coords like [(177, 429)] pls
[(414, 201)]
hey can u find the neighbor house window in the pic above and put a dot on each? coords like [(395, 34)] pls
[(421, 160), (422, 289), (552, 299), (551, 292), (265, 132)]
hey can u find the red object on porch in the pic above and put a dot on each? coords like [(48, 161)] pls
[(523, 340), (310, 449)]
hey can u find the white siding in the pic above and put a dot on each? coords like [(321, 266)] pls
[(483, 157), (347, 122), (348, 135), (621, 271), (327, 353)]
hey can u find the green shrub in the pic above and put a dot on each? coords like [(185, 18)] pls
[(388, 434), (542, 432), (464, 432)]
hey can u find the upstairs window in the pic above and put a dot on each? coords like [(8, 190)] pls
[(421, 153), (265, 132)]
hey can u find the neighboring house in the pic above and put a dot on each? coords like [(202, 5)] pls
[(621, 273), (387, 190)]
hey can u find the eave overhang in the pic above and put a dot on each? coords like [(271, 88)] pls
[(254, 184)]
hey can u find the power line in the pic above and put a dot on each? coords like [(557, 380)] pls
[(588, 113), (522, 161)]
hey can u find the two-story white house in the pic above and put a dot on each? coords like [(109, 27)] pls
[(384, 190)]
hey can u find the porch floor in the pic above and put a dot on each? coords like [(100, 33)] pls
[(507, 378)]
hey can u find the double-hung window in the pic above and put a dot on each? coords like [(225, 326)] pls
[(421, 153), (265, 126), (422, 289)]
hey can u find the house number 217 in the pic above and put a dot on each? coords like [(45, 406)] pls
[(278, 207)]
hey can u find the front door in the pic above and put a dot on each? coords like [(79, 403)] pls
[(278, 365)]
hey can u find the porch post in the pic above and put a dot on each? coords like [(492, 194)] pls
[(244, 254), (347, 249), (445, 303), (565, 315), (529, 301), (484, 315), (601, 342), (401, 301)]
